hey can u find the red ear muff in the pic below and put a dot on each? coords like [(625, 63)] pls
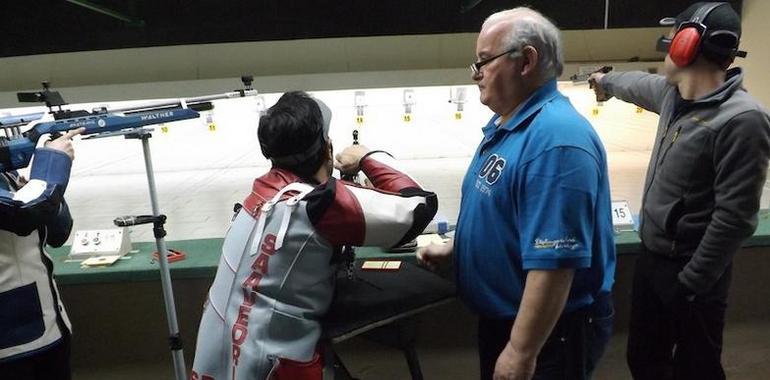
[(684, 46)]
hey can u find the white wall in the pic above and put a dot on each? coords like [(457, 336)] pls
[(200, 173), (756, 32), (281, 83), (433, 131)]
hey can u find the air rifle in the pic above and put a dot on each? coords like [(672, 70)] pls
[(17, 148)]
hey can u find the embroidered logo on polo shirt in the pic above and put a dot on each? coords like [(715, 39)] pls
[(492, 169), (569, 243)]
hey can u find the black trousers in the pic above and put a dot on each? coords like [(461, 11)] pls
[(670, 336), (51, 364), (571, 352)]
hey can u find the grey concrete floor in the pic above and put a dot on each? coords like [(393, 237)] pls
[(746, 357), (450, 352)]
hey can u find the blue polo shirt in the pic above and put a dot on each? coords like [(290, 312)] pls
[(536, 196)]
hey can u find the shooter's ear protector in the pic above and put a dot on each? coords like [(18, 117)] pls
[(693, 36)]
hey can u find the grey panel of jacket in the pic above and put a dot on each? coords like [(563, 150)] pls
[(706, 172)]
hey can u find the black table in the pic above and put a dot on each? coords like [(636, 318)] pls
[(382, 305)]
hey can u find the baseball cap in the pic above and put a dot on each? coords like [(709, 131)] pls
[(720, 18), (723, 30), (326, 112)]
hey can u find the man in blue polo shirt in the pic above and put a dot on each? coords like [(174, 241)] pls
[(534, 249)]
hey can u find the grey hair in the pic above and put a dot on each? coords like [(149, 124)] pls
[(529, 27)]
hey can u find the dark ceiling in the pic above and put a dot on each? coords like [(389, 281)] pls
[(52, 26)]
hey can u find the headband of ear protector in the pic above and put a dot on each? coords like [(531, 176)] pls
[(322, 138), (691, 37)]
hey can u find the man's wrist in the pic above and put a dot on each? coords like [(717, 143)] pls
[(51, 166), (522, 353), (684, 291), (602, 82)]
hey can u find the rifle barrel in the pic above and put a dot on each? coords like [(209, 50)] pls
[(177, 102)]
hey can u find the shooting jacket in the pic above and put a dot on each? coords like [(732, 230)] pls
[(275, 279), (32, 316)]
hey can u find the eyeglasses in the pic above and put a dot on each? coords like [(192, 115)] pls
[(476, 66)]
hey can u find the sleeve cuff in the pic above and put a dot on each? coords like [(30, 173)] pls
[(52, 166), (686, 284), (378, 155), (556, 263), (605, 83)]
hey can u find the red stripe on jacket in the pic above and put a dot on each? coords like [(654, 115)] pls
[(265, 188)]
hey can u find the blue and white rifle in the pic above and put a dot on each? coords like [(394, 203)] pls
[(17, 148)]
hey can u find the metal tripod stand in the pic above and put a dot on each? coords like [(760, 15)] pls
[(158, 220)]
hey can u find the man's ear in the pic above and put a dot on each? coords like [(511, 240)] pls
[(330, 150), (529, 61)]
